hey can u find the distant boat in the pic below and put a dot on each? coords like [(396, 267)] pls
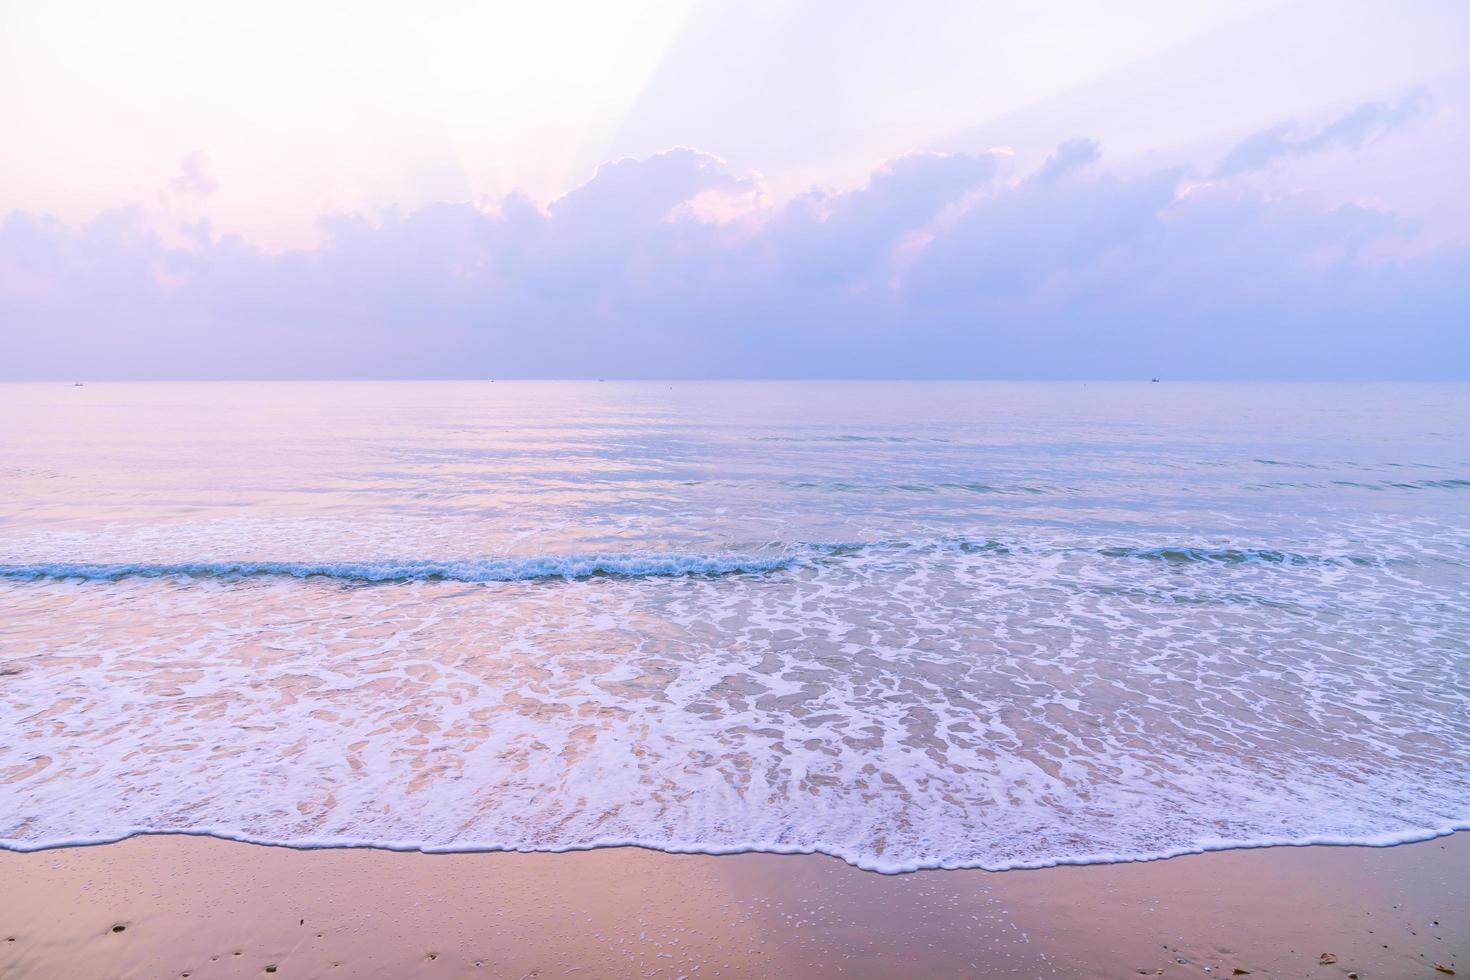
[(76, 384), (1154, 380)]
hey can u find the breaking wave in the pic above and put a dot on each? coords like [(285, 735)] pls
[(476, 570), (772, 557)]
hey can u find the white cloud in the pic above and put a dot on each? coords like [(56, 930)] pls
[(1352, 129), (933, 267)]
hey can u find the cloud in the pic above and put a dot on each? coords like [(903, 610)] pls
[(193, 178), (1071, 155), (1352, 129), (935, 267), (826, 240)]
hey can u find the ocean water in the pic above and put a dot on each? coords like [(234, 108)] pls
[(909, 625)]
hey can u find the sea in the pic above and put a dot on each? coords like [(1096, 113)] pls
[(906, 624)]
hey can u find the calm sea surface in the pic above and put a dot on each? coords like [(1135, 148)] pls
[(907, 624)]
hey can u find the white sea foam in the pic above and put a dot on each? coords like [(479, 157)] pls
[(963, 703)]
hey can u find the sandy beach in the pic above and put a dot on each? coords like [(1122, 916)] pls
[(172, 906)]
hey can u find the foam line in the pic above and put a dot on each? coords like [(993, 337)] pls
[(861, 861)]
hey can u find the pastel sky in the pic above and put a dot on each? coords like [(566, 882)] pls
[(691, 188)]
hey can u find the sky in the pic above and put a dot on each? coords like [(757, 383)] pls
[(1254, 189)]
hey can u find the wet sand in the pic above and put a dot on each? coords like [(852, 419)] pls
[(172, 906)]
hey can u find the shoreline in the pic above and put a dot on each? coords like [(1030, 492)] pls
[(1385, 840), (198, 906)]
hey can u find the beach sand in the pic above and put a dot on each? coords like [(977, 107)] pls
[(174, 906)]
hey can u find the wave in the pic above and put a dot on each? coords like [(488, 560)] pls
[(1234, 556), (880, 489), (770, 557), (636, 565)]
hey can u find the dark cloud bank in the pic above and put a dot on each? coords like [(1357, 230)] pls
[(935, 268)]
